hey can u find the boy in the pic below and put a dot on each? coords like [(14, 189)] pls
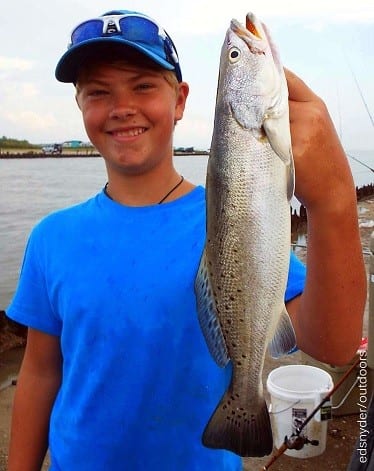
[(116, 370)]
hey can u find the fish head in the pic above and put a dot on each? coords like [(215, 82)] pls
[(251, 79)]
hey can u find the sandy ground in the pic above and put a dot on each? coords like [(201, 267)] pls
[(342, 430)]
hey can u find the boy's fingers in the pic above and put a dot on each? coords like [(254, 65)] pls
[(297, 89)]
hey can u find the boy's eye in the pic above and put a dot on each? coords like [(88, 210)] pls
[(144, 86), (96, 92)]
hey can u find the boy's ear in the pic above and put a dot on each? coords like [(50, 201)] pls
[(77, 100), (181, 100)]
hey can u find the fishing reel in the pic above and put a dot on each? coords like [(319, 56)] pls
[(297, 442)]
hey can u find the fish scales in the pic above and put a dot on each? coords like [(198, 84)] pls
[(242, 276)]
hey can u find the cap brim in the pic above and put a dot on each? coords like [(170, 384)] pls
[(69, 64)]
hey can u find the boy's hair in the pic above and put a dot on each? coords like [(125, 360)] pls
[(119, 58)]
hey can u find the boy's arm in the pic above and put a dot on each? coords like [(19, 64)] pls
[(328, 316), (37, 386)]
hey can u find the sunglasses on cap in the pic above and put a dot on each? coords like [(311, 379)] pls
[(136, 30)]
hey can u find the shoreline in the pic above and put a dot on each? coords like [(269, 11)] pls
[(77, 154)]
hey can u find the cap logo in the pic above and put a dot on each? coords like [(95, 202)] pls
[(111, 25)]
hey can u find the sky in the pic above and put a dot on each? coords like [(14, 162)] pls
[(328, 43)]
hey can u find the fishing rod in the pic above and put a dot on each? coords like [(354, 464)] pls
[(360, 92), (359, 161), (365, 104), (296, 440)]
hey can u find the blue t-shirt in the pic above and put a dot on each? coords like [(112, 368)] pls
[(116, 284)]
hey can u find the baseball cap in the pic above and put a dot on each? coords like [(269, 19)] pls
[(118, 28)]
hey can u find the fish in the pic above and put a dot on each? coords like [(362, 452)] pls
[(242, 275)]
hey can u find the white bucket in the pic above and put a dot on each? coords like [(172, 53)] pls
[(296, 390)]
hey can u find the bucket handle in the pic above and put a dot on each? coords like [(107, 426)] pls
[(283, 410), (323, 413)]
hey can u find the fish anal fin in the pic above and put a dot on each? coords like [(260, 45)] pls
[(284, 339)]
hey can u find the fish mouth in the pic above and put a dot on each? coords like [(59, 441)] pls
[(252, 33)]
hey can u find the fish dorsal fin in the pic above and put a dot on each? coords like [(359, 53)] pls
[(284, 339), (207, 315)]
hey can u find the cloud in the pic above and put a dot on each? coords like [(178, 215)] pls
[(13, 90), (202, 17), (9, 64), (30, 120)]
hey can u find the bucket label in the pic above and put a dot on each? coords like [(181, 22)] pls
[(298, 417), (326, 412)]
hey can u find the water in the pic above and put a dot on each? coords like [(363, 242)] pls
[(31, 188)]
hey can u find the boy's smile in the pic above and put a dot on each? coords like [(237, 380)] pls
[(129, 114)]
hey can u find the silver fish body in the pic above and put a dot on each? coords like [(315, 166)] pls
[(242, 277)]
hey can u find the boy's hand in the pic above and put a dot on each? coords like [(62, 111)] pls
[(328, 315), (322, 171)]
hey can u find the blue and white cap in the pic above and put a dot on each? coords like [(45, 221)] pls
[(118, 28)]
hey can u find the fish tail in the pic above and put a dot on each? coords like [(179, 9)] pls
[(244, 431)]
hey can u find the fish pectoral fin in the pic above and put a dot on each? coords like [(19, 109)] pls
[(207, 315), (277, 130), (278, 133), (290, 170), (284, 339)]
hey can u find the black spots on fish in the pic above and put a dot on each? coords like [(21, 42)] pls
[(234, 345), (240, 362), (239, 426), (237, 416)]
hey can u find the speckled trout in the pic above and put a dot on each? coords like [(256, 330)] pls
[(242, 277)]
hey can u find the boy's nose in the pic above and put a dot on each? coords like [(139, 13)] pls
[(122, 108), (121, 112)]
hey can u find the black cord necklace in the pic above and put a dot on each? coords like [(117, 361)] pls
[(173, 189), (161, 201)]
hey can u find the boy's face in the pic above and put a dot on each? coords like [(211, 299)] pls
[(129, 113)]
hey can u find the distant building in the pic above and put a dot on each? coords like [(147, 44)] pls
[(72, 144)]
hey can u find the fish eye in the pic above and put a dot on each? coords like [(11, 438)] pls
[(234, 55)]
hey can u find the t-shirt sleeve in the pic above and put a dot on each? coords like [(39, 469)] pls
[(296, 278), (31, 305)]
